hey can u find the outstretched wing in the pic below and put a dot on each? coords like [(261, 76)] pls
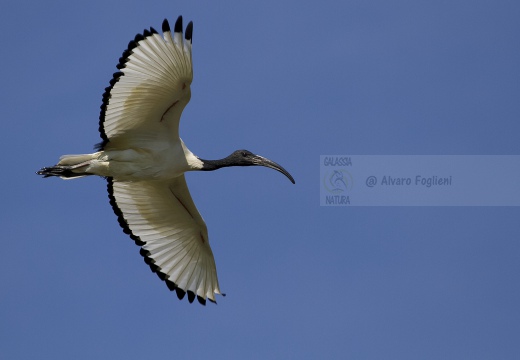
[(162, 218), (152, 86)]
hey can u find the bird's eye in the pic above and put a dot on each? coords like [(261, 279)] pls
[(244, 154)]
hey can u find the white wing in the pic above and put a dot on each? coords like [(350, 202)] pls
[(152, 87), (162, 218)]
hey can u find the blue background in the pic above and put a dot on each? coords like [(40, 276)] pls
[(289, 80)]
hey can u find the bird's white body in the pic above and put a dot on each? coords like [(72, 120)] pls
[(152, 160)]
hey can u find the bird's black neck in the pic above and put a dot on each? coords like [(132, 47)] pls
[(210, 165)]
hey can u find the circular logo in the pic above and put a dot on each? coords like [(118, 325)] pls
[(337, 181)]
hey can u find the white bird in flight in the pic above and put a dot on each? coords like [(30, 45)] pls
[(144, 160)]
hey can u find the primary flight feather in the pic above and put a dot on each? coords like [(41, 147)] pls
[(144, 160)]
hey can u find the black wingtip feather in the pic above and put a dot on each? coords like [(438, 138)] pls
[(153, 31), (191, 296), (178, 25), (162, 275), (180, 293), (138, 38), (201, 300), (189, 31), (154, 267), (171, 285), (165, 26), (138, 242)]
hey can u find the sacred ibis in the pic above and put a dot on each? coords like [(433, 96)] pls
[(144, 160)]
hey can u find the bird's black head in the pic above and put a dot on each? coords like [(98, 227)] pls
[(245, 158), (242, 158)]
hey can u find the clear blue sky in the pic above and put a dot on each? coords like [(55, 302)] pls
[(290, 80)]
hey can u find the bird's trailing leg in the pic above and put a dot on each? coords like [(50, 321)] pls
[(64, 171)]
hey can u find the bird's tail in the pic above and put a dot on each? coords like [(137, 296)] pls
[(69, 167)]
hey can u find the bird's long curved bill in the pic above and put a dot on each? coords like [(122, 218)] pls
[(262, 161)]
